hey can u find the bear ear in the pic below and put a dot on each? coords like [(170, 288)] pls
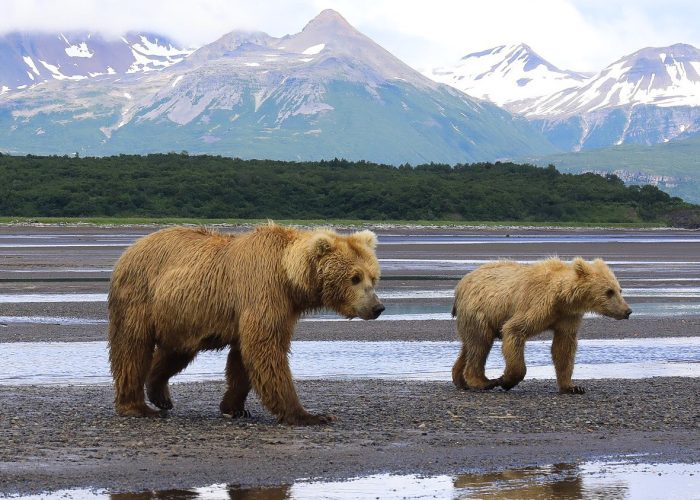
[(599, 263), (367, 238), (581, 267), (321, 244)]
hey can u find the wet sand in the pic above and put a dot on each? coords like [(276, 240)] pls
[(64, 437), (70, 438)]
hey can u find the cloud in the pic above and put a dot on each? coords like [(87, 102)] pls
[(582, 35)]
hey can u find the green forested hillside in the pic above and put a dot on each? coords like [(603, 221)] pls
[(674, 165), (180, 185)]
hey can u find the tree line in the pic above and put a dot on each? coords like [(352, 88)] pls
[(183, 185)]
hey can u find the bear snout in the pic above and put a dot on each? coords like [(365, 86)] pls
[(377, 310), (627, 313)]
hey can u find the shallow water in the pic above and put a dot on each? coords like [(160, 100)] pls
[(604, 480), (86, 362), (620, 267)]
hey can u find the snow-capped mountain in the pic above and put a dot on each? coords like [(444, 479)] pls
[(30, 58), (507, 75), (649, 97), (665, 77), (328, 91)]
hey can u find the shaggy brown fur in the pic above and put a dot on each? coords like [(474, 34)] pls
[(515, 302), (179, 291)]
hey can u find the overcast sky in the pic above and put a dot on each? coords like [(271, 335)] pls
[(583, 35)]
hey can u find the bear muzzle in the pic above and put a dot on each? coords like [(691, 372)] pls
[(371, 309), (377, 310), (623, 315)]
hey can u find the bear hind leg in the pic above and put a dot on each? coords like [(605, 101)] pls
[(474, 372), (458, 370), (130, 361), (238, 386), (166, 364), (468, 371)]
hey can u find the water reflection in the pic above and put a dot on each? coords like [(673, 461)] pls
[(604, 480)]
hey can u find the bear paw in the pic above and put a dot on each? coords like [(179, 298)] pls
[(137, 410), (308, 419), (506, 385), (574, 389), (160, 398)]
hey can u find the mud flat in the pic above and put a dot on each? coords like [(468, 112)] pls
[(55, 438)]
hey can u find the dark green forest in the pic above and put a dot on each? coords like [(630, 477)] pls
[(182, 185)]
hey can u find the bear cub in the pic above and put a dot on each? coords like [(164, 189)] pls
[(515, 302)]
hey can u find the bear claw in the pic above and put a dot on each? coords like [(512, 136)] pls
[(574, 389), (237, 414), (160, 400)]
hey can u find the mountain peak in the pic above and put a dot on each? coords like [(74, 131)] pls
[(327, 16), (329, 23), (507, 75)]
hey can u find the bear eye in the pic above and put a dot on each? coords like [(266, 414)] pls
[(356, 278), (610, 292)]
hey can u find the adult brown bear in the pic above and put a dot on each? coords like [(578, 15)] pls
[(517, 301), (180, 290)]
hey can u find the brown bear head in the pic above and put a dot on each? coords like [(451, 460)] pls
[(337, 272), (598, 289)]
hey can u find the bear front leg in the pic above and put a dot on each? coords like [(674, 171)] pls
[(563, 355), (264, 356), (514, 354), (233, 402)]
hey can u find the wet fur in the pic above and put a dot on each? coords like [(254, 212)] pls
[(180, 290)]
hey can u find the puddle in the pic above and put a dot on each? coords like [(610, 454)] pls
[(60, 363), (602, 480), (51, 297)]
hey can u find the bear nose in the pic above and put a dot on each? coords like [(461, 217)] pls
[(377, 310), (627, 313)]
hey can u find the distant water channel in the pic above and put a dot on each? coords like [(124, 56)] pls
[(86, 362)]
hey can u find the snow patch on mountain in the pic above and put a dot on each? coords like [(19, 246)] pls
[(80, 50), (313, 50), (28, 60), (56, 72)]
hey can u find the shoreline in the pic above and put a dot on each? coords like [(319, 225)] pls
[(427, 428)]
